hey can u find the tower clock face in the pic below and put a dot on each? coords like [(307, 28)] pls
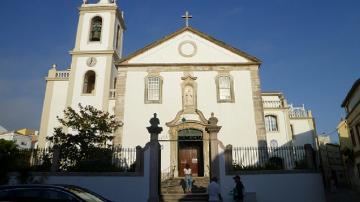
[(91, 61)]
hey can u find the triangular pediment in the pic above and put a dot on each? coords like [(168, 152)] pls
[(188, 46)]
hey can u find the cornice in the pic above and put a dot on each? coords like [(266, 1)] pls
[(186, 67), (78, 52), (56, 79), (119, 64)]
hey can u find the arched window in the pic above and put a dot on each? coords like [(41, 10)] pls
[(225, 92), (271, 123), (95, 29), (89, 82), (153, 89)]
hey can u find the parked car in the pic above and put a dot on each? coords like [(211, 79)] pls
[(48, 193)]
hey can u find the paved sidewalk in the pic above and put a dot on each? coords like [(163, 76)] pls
[(343, 195)]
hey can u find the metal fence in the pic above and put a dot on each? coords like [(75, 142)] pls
[(268, 158), (116, 159), (124, 158)]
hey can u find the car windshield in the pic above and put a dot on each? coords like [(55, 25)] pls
[(85, 195)]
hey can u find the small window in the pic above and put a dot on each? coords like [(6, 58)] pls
[(271, 123), (95, 29), (153, 89), (89, 82), (225, 88)]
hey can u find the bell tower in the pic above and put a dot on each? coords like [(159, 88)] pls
[(98, 45)]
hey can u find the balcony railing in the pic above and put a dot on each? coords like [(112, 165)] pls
[(272, 104), (62, 74), (298, 112)]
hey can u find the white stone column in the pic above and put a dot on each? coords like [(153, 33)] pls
[(213, 130)]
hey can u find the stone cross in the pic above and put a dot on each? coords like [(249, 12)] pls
[(187, 17)]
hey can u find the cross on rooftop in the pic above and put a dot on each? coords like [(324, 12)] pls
[(187, 17)]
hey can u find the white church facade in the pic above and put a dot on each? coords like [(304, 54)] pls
[(184, 77)]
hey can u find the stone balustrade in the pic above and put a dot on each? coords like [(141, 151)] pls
[(299, 112), (62, 74), (272, 104)]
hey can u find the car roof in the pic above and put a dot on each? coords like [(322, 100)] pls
[(59, 186)]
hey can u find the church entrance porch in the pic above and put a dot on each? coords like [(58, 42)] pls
[(190, 151)]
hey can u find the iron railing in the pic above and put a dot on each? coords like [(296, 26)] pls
[(268, 158), (116, 159)]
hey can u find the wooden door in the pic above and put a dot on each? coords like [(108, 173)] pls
[(189, 155)]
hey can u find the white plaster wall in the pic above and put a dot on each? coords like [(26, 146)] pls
[(95, 99), (114, 188), (294, 187), (137, 114), (111, 107), (281, 136), (207, 52), (237, 119), (303, 132), (57, 105), (104, 44)]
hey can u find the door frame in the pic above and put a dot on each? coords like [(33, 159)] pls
[(174, 146), (199, 144)]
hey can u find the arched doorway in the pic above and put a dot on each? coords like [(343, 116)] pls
[(190, 151)]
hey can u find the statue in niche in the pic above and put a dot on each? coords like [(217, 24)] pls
[(189, 96)]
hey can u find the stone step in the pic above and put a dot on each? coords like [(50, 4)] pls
[(184, 197), (177, 185)]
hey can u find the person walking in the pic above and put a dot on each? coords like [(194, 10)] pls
[(238, 191), (188, 178), (214, 190)]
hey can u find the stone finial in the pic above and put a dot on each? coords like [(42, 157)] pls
[(85, 1), (54, 66), (213, 120)]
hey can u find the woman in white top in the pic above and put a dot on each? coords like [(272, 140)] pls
[(188, 178)]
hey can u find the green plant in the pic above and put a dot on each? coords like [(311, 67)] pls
[(6, 161), (274, 163), (90, 129)]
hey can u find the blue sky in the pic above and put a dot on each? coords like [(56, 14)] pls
[(310, 49)]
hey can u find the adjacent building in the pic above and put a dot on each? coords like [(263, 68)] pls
[(22, 141), (351, 104)]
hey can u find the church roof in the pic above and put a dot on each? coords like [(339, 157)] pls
[(197, 32)]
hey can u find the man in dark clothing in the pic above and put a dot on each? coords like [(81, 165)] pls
[(238, 190)]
